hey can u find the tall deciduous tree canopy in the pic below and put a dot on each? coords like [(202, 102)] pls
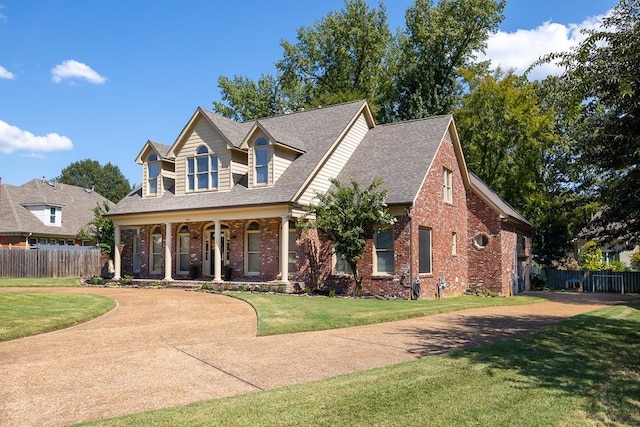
[(604, 75), (437, 43), (504, 134), (107, 180), (340, 58), (352, 54), (348, 215)]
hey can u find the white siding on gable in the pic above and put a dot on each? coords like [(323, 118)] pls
[(336, 161), (239, 166), (281, 161), (203, 133), (44, 214)]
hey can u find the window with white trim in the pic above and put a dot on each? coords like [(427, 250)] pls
[(153, 172), (202, 170), (341, 266), (293, 247), (183, 249), (156, 251), (447, 185), (52, 215), (383, 243), (261, 161), (454, 243), (252, 249)]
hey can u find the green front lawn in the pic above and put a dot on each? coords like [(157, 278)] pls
[(40, 282), (29, 313), (584, 371), (284, 314)]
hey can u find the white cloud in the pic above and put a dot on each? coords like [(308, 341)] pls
[(6, 74), (13, 138), (520, 49), (71, 69)]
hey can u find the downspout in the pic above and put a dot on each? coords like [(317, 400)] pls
[(411, 285)]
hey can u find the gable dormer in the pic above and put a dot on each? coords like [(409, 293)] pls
[(206, 156), (270, 151), (158, 170)]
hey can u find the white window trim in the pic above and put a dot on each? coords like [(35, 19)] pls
[(267, 148), (447, 185), (152, 254), (246, 249), (376, 272), (148, 163)]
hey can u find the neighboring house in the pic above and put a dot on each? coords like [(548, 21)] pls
[(612, 251), (45, 213), (229, 193)]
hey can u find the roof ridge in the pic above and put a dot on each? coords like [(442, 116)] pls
[(422, 119), (291, 113)]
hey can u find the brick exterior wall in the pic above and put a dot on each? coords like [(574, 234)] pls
[(467, 216), (492, 267)]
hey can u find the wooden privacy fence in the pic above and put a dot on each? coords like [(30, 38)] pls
[(85, 262), (594, 281)]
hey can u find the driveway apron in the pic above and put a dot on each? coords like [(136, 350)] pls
[(163, 347)]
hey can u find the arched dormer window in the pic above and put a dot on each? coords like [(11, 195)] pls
[(153, 172), (202, 170), (261, 161)]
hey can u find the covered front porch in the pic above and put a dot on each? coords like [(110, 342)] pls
[(256, 246)]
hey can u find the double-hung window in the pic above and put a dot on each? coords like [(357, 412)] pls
[(252, 248), (202, 170), (383, 242), (153, 171), (261, 160)]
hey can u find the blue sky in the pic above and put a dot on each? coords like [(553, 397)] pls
[(97, 79)]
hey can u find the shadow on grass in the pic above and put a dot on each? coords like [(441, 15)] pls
[(594, 355)]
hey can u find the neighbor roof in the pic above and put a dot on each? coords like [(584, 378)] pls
[(77, 207)]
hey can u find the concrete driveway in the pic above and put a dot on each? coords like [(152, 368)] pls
[(163, 347)]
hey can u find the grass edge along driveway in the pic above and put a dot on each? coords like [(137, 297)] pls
[(582, 371), (285, 314), (29, 313)]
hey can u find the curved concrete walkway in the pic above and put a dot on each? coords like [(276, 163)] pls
[(163, 347)]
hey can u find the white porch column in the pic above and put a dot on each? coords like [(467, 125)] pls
[(284, 249), (116, 253), (217, 253), (168, 258)]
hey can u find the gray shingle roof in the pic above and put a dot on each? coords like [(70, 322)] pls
[(76, 202), (493, 198), (317, 129), (399, 154)]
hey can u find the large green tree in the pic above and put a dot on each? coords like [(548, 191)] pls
[(347, 216), (342, 57), (604, 78), (437, 43), (504, 134), (107, 180)]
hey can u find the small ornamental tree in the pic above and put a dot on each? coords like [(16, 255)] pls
[(347, 216), (100, 230), (590, 257)]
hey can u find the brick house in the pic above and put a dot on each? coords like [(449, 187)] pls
[(42, 212), (230, 194)]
